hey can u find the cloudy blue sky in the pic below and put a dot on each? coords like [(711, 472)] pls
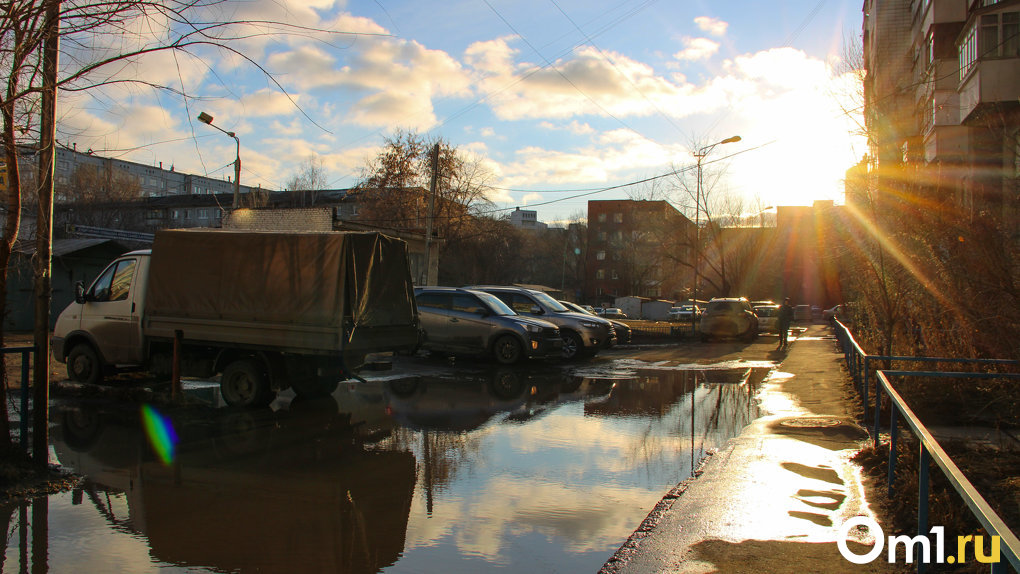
[(556, 98)]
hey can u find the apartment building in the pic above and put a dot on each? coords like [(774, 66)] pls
[(146, 180), (636, 248), (942, 95)]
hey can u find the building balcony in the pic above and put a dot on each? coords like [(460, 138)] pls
[(989, 82)]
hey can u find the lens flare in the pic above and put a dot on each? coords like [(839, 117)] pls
[(161, 433)]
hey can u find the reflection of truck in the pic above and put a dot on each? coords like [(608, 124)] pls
[(247, 491), (267, 310)]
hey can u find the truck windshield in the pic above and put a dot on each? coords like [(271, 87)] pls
[(495, 305)]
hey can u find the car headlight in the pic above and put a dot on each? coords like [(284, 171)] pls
[(534, 328), (590, 324)]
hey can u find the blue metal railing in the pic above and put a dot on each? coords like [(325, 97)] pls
[(25, 352), (860, 365), (931, 450)]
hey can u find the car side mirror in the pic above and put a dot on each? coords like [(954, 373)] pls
[(535, 310), (79, 292)]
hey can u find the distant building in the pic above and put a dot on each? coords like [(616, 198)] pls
[(151, 180), (636, 248), (526, 219)]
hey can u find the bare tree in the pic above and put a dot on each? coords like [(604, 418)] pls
[(312, 178), (98, 40)]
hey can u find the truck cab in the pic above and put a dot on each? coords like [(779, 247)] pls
[(103, 325)]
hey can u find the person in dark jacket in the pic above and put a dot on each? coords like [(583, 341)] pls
[(785, 317)]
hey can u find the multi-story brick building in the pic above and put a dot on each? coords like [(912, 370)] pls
[(636, 248)]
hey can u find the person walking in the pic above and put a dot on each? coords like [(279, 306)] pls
[(783, 321)]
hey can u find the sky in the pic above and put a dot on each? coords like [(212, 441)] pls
[(560, 101)]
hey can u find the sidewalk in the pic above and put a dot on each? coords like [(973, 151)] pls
[(772, 500)]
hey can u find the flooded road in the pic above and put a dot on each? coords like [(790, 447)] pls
[(463, 469)]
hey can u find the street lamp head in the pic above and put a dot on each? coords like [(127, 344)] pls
[(205, 118), (733, 139)]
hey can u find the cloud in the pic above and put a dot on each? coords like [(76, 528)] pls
[(393, 81), (574, 127), (530, 197), (697, 49), (713, 26)]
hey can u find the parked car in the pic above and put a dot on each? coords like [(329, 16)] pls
[(833, 313), (473, 322), (728, 317), (613, 313), (768, 317), (763, 302), (802, 313), (623, 330), (683, 314), (583, 335)]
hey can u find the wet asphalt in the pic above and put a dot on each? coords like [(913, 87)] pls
[(774, 498)]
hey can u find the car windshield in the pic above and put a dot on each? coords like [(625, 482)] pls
[(765, 311), (494, 304), (549, 302), (575, 307), (721, 307)]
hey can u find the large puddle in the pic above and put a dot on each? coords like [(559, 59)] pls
[(494, 469)]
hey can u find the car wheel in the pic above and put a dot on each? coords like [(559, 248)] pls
[(573, 346), (508, 350), (83, 365), (244, 384)]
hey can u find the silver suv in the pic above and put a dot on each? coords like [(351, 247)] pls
[(583, 335), (472, 322), (728, 317)]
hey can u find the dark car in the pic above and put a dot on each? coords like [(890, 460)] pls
[(583, 335), (473, 322), (728, 317), (623, 330)]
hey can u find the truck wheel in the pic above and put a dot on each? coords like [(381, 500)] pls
[(244, 384), (83, 365), (508, 350), (572, 345)]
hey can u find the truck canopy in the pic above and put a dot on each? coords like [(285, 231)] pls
[(327, 290)]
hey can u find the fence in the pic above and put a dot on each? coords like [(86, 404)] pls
[(859, 365), (26, 353)]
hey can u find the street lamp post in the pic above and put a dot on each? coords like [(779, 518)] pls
[(207, 119), (700, 154)]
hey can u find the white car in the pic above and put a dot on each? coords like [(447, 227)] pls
[(682, 314), (768, 317)]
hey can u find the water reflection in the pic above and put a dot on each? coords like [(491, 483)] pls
[(487, 468), (249, 490)]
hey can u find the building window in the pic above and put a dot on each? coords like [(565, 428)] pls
[(203, 214), (617, 218), (615, 274), (602, 235), (600, 273), (617, 255), (176, 214), (187, 215), (600, 255), (986, 41), (617, 236), (602, 218)]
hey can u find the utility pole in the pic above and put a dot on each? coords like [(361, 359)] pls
[(44, 241), (428, 219)]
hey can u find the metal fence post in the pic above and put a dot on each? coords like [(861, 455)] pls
[(892, 448), (24, 400), (878, 411), (922, 501)]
